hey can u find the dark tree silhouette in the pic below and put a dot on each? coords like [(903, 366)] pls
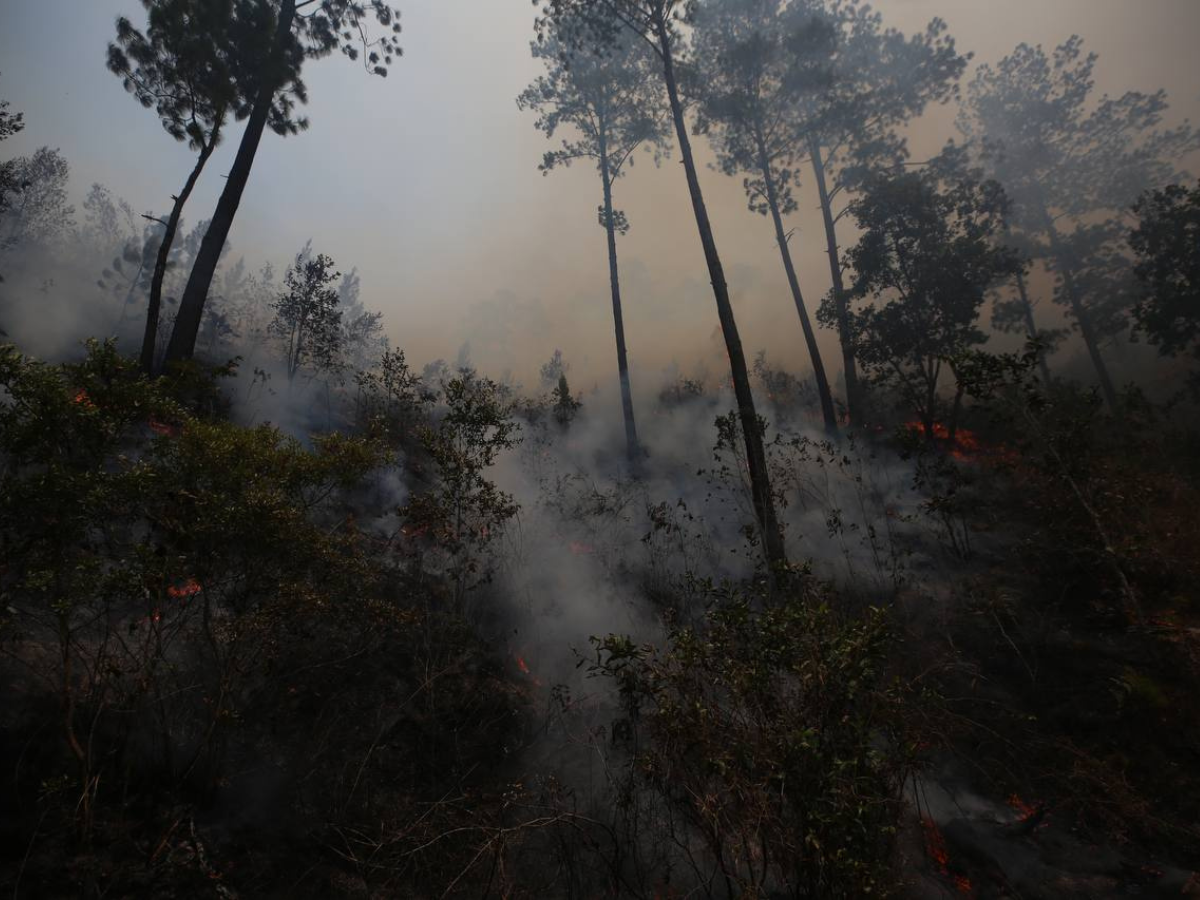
[(363, 342), (1072, 166), (1014, 314), (926, 260), (37, 213), (10, 123), (129, 272), (1167, 247), (564, 407), (180, 66), (10, 183), (881, 80), (308, 322), (612, 103), (269, 44), (751, 70), (599, 25)]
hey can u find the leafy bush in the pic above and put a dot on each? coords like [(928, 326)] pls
[(464, 511), (769, 737), (168, 560)]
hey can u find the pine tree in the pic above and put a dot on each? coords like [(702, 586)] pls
[(269, 46), (752, 69), (612, 105), (600, 25)]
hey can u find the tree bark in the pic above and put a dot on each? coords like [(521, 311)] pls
[(756, 457), (955, 412), (164, 251), (1082, 317), (191, 307), (632, 448), (850, 368), (810, 339), (1031, 326)]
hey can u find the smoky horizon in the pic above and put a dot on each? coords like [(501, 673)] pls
[(427, 183)]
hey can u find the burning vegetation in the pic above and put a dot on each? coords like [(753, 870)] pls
[(916, 619)]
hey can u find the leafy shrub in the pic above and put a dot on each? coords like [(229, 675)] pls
[(169, 561), (464, 511), (768, 737)]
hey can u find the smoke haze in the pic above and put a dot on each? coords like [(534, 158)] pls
[(427, 181)]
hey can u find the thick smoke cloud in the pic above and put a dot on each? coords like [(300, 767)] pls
[(446, 208)]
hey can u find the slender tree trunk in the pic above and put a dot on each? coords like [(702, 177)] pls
[(294, 356), (191, 307), (850, 368), (756, 457), (164, 251), (631, 438), (929, 416), (1082, 316), (955, 412), (137, 276), (1031, 326), (810, 339)]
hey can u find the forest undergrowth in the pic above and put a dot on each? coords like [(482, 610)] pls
[(431, 653)]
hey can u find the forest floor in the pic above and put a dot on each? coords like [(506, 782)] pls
[(1063, 748)]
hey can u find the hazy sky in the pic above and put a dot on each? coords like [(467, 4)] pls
[(427, 181)]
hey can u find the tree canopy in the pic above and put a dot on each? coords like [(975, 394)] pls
[(1166, 244), (308, 322), (1072, 165), (922, 270)]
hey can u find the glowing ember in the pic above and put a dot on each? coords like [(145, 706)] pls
[(935, 846), (525, 669), (162, 428), (82, 398), (966, 444), (187, 589), (1021, 806)]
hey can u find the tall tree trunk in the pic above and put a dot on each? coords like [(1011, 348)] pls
[(810, 339), (164, 251), (191, 306), (756, 457), (1066, 269), (631, 439), (293, 365), (929, 415), (955, 412), (850, 368), (133, 286), (1031, 326)]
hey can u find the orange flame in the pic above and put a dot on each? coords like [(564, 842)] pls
[(1020, 806), (81, 397), (581, 549), (162, 427), (935, 846), (525, 669), (187, 589), (966, 443)]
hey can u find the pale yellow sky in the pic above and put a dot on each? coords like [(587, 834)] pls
[(427, 181)]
